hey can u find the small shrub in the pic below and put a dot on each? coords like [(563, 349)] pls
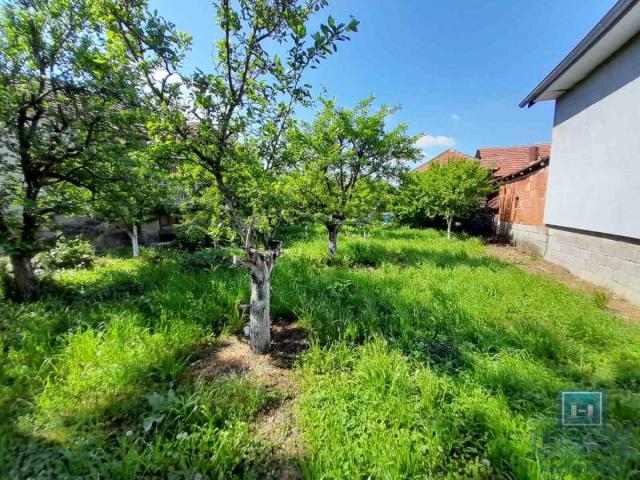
[(366, 254), (7, 287), (76, 253), (192, 237)]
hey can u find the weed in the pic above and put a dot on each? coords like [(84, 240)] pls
[(601, 299)]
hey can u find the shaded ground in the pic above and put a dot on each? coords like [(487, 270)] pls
[(277, 425), (533, 263)]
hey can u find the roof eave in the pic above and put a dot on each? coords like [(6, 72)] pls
[(610, 20), (537, 165)]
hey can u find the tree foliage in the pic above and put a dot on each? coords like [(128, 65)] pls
[(453, 190), (344, 159), (148, 191), (231, 123), (74, 101)]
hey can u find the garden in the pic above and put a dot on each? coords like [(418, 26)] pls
[(421, 357)]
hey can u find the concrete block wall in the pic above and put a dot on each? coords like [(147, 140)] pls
[(529, 237), (611, 262)]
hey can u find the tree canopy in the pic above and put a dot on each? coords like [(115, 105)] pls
[(231, 123), (74, 101), (343, 157), (457, 188), (149, 191)]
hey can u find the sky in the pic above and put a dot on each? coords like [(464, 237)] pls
[(457, 68)]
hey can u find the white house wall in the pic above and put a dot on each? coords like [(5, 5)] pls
[(594, 174)]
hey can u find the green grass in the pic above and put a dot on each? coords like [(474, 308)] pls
[(430, 359)]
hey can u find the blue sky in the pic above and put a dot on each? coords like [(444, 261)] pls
[(458, 68)]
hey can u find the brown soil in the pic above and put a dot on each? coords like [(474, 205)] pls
[(533, 263), (277, 425)]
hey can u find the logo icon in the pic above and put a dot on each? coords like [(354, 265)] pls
[(582, 408)]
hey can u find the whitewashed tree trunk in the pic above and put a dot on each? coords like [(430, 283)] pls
[(260, 265), (333, 230), (135, 244), (24, 277), (260, 308), (449, 222)]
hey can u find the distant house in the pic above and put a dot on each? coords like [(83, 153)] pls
[(518, 205), (592, 207), (516, 208), (505, 161), (444, 157)]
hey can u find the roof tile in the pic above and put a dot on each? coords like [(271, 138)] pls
[(505, 161)]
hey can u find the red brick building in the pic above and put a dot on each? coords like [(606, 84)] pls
[(521, 173), (522, 195)]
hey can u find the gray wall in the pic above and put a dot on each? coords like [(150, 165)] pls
[(528, 237), (594, 173), (598, 258)]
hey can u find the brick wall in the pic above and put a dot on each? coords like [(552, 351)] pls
[(522, 199)]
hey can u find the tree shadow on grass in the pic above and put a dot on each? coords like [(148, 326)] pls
[(166, 423), (98, 439), (340, 305), (518, 359), (523, 359), (374, 254), (202, 291), (112, 285)]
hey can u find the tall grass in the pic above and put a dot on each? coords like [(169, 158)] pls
[(430, 359)]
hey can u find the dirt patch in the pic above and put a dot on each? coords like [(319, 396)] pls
[(533, 263), (233, 355), (277, 425)]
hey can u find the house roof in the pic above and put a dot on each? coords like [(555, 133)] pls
[(505, 161), (615, 29), (444, 157), (541, 163)]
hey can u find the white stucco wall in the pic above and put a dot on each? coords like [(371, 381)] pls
[(594, 173)]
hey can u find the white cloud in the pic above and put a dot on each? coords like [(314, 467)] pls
[(426, 142), (455, 116)]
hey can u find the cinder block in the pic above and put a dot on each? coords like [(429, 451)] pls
[(603, 272), (631, 268), (625, 251), (577, 252)]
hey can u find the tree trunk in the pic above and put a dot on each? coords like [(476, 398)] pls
[(23, 276), (260, 265), (260, 309), (449, 222), (333, 239), (135, 244)]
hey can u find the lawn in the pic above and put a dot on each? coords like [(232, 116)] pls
[(428, 358)]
